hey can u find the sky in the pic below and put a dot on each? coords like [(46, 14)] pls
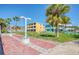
[(35, 11)]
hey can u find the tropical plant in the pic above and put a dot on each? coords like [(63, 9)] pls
[(66, 20), (55, 13), (8, 22), (16, 19), (2, 24)]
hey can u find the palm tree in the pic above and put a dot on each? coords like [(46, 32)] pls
[(8, 22), (2, 24), (54, 21), (66, 20), (16, 19), (55, 13)]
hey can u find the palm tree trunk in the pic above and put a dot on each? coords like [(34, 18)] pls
[(57, 31), (64, 27), (16, 27)]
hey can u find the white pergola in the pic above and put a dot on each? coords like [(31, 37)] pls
[(25, 40), (10, 34)]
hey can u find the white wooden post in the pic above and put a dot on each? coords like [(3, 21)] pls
[(26, 39)]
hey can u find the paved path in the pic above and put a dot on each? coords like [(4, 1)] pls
[(67, 48), (14, 47), (41, 43)]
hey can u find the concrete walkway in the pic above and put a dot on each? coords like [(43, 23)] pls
[(14, 46), (67, 48), (40, 45)]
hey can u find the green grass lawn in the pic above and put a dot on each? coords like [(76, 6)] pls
[(22, 33), (63, 37)]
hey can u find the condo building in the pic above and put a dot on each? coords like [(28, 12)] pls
[(35, 27), (69, 28)]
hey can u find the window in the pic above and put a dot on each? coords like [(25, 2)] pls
[(34, 30), (34, 23), (34, 26)]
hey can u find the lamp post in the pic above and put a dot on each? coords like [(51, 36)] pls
[(25, 39), (10, 28)]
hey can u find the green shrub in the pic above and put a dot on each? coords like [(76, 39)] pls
[(76, 36), (63, 37), (4, 31)]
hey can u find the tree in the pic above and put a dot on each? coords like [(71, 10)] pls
[(66, 20), (16, 19), (8, 22), (55, 13), (2, 24)]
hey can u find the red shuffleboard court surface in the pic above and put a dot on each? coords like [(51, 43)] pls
[(18, 36), (41, 43), (15, 47)]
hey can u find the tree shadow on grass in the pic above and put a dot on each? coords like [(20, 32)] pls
[(47, 35), (76, 36)]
